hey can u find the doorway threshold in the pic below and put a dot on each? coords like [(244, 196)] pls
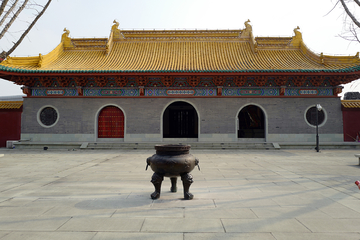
[(251, 140), (180, 140)]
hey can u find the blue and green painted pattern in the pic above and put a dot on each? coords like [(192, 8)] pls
[(96, 92), (44, 92), (180, 92)]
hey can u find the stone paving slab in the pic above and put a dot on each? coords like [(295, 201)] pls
[(3, 234), (49, 235), (76, 212), (22, 211), (101, 224), (209, 213), (316, 236), (331, 225), (264, 225), (239, 194), (31, 223), (228, 236), (140, 236), (149, 213), (289, 212), (182, 225)]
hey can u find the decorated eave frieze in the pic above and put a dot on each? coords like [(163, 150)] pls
[(182, 85), (191, 80)]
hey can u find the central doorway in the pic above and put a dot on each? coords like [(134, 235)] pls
[(180, 120), (251, 122)]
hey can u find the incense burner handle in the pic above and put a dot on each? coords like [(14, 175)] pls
[(197, 163)]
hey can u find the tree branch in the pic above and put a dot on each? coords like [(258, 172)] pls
[(3, 5), (332, 9), (27, 30), (354, 33), (351, 35), (13, 19), (8, 12), (350, 14), (357, 2)]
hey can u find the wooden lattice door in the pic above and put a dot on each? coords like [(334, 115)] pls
[(180, 120), (111, 123), (182, 123), (251, 122)]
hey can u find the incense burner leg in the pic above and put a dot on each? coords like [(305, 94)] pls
[(156, 180), (173, 184), (187, 180)]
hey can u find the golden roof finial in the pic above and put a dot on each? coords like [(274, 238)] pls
[(115, 26), (41, 58), (65, 34), (297, 32), (116, 31), (297, 39), (322, 58), (248, 29), (65, 39), (247, 25)]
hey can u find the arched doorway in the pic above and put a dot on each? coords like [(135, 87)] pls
[(180, 120), (111, 123), (251, 120)]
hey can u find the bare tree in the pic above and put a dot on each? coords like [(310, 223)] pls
[(351, 27), (351, 19), (10, 15)]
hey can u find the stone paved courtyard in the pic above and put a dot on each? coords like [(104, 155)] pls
[(284, 194)]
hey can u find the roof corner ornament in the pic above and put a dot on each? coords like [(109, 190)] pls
[(115, 34), (26, 90), (248, 29), (247, 25), (247, 33), (116, 24), (8, 60), (297, 39), (116, 31), (65, 39), (322, 58), (41, 58), (297, 32), (356, 58)]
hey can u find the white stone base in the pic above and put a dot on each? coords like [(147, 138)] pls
[(209, 138), (217, 137), (110, 140), (304, 138), (143, 138), (57, 137)]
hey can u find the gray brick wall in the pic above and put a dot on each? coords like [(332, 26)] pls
[(216, 115)]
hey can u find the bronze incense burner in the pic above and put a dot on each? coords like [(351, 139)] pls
[(172, 161)]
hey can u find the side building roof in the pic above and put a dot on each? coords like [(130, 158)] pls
[(350, 104), (11, 104)]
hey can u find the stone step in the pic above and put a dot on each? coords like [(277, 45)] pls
[(194, 145)]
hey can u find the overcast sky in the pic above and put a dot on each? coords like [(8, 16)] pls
[(90, 18)]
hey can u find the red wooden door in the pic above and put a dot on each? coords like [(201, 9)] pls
[(111, 123)]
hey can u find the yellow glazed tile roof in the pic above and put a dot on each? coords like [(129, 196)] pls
[(350, 103), (181, 51), (10, 104)]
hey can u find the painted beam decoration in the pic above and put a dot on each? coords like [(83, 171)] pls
[(179, 87)]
